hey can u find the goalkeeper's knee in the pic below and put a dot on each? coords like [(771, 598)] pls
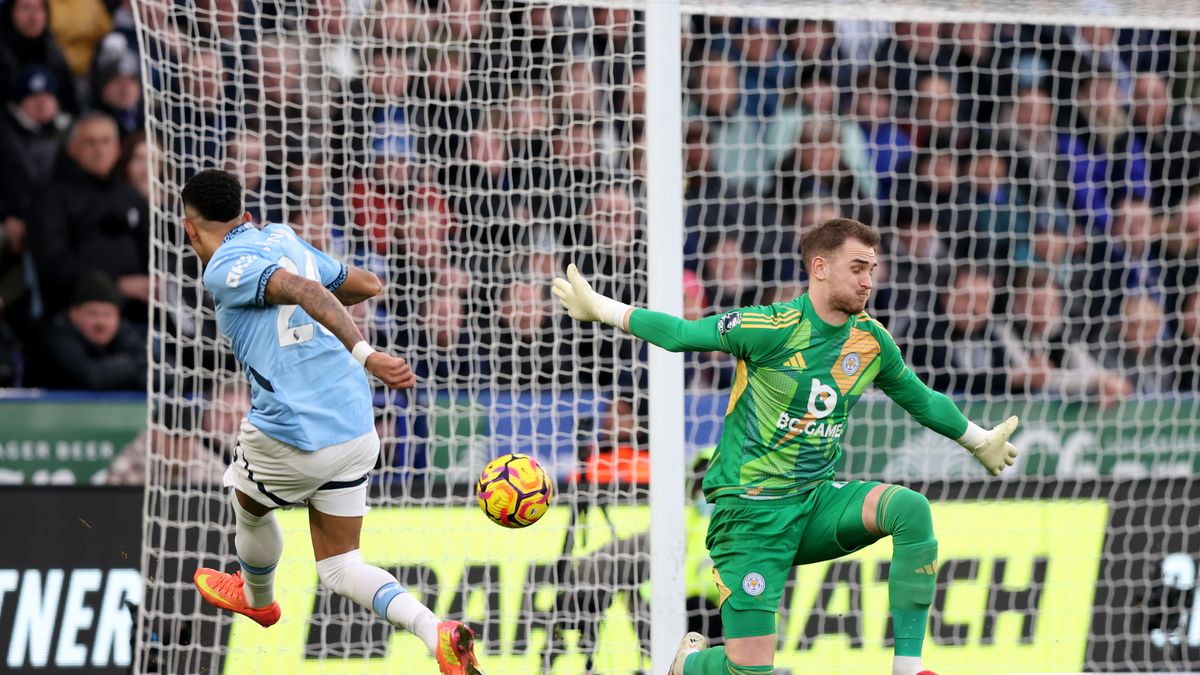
[(906, 516)]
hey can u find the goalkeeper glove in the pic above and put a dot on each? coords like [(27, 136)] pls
[(585, 304), (991, 448)]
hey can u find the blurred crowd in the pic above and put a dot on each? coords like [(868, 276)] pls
[(1038, 187)]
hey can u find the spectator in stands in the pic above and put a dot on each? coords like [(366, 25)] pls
[(814, 168), (710, 204), (244, 159), (934, 111), (914, 49), (819, 98), (578, 98), (426, 259), (1031, 118), (13, 298), (479, 187), (1136, 349), (201, 83), (311, 186), (1105, 162), (78, 26), (89, 347), (919, 256), (182, 458), (766, 68), (133, 168), (445, 354), (615, 229), (1045, 359), (26, 40), (313, 225), (379, 106), (379, 197), (281, 70), (1187, 356), (982, 62), (225, 408), (730, 274), (813, 45), (89, 218), (888, 146), (134, 165), (530, 126), (1136, 231), (525, 353), (745, 144), (574, 171), (1170, 136), (961, 349), (703, 370), (118, 91), (999, 206), (30, 130), (448, 107), (937, 176)]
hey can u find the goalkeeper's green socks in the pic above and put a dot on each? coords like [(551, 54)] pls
[(713, 661), (912, 577)]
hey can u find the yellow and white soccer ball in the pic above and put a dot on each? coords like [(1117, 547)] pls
[(514, 490)]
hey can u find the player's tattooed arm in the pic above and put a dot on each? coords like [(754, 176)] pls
[(359, 285), (285, 288)]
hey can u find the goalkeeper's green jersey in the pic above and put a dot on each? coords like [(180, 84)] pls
[(797, 380)]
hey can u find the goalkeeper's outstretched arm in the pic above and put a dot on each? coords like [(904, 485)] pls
[(937, 412), (669, 332)]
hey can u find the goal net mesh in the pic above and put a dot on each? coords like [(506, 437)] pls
[(1035, 185)]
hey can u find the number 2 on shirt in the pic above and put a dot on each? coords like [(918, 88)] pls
[(288, 334)]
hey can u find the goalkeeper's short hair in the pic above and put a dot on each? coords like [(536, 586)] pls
[(827, 237)]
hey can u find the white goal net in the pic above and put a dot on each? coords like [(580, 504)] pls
[(1035, 174)]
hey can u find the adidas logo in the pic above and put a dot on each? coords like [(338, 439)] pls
[(797, 361), (930, 569)]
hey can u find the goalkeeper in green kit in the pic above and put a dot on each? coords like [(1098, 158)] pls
[(801, 367)]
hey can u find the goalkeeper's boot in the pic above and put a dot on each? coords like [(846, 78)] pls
[(226, 591), (926, 672), (456, 649), (690, 644)]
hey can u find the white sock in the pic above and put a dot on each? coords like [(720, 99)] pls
[(259, 544), (906, 665), (416, 618), (371, 587)]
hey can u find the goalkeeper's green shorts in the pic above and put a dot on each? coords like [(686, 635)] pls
[(755, 543)]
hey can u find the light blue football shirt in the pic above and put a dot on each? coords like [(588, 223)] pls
[(306, 389)]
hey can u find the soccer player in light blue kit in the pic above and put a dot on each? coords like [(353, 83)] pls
[(310, 433)]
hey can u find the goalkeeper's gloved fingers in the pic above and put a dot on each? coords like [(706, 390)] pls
[(584, 304)]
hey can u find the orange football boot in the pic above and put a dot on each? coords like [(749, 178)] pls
[(456, 649), (225, 591)]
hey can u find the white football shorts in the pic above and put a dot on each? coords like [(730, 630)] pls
[(332, 480)]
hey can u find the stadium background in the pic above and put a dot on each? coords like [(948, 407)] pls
[(1038, 186)]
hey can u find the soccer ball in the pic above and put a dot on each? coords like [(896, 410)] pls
[(514, 490)]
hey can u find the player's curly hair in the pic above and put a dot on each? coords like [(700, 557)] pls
[(214, 194), (827, 237)]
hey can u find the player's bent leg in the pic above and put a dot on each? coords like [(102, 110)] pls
[(340, 566), (749, 646), (259, 544), (912, 577)]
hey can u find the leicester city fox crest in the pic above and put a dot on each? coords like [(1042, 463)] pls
[(850, 363)]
